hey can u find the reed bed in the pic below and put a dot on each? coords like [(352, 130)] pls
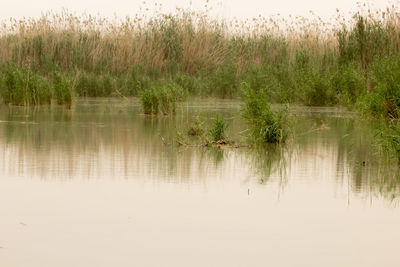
[(297, 60), (354, 62), (303, 60)]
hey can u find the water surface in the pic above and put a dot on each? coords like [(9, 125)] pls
[(104, 185)]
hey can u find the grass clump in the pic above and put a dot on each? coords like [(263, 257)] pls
[(150, 102), (390, 138), (217, 130), (23, 87), (348, 84), (63, 89), (265, 125), (169, 94), (162, 97), (383, 99)]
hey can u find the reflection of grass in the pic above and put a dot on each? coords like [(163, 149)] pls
[(270, 159)]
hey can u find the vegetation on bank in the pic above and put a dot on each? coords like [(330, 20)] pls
[(309, 63), (354, 63)]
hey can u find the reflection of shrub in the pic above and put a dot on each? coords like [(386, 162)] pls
[(265, 125)]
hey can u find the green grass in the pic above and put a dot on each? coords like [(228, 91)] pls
[(63, 89), (203, 57), (21, 86), (265, 125), (149, 101), (217, 130), (171, 56)]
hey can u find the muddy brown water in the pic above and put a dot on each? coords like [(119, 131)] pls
[(104, 185)]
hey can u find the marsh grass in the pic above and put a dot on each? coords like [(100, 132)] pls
[(162, 97), (302, 60), (217, 130), (290, 60), (63, 88), (21, 86), (265, 125), (150, 101)]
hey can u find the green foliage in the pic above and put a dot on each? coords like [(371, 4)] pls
[(149, 101), (383, 100), (62, 89), (21, 86), (266, 126), (317, 89), (364, 42), (223, 81), (92, 84), (186, 82), (207, 59), (217, 130), (167, 96), (348, 84), (388, 139), (134, 81)]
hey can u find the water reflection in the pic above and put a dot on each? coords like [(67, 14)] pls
[(110, 139)]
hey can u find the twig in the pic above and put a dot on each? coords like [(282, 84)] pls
[(119, 93)]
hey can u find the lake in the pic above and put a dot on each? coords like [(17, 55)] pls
[(104, 185)]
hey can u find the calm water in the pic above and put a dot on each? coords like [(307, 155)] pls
[(103, 185)]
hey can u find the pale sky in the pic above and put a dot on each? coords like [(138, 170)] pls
[(221, 8)]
